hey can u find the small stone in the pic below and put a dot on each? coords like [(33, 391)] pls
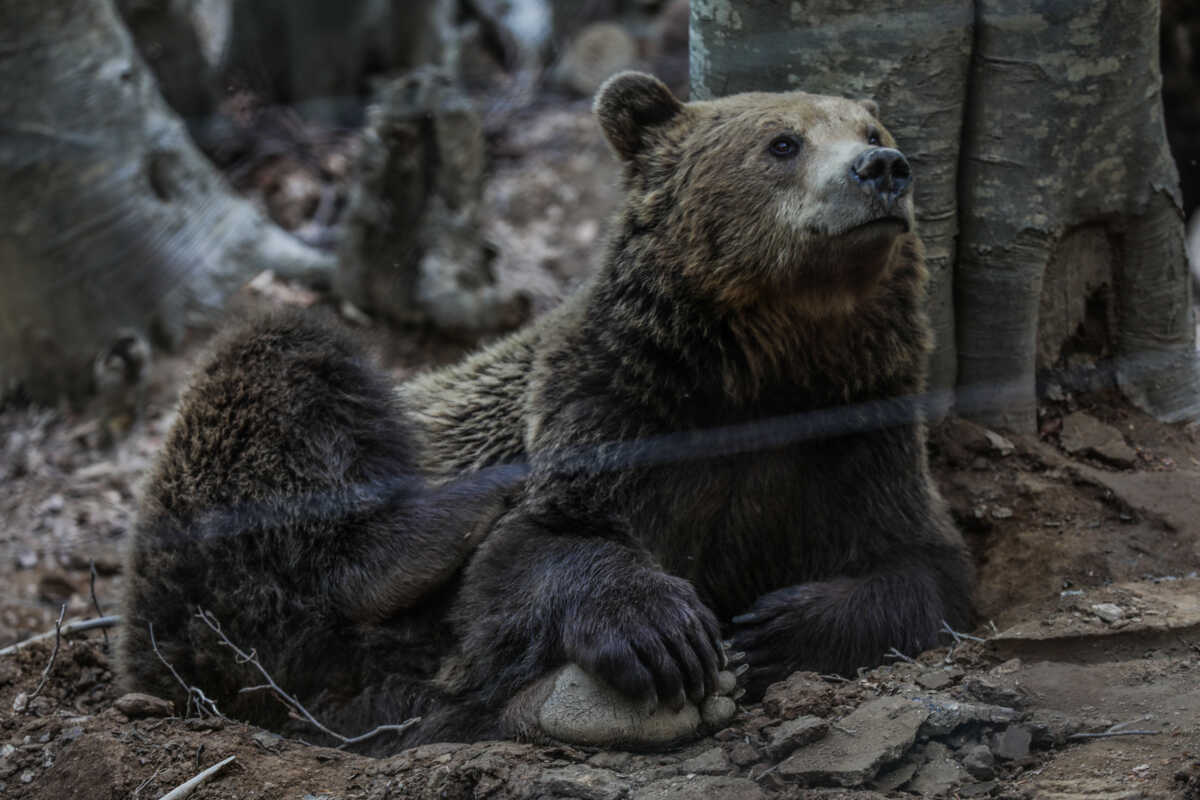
[(266, 739), (979, 761), (934, 679), (709, 788), (137, 704), (1084, 434), (801, 694), (743, 754), (896, 777), (711, 762), (937, 776), (999, 444), (585, 783), (793, 734), (27, 776), (610, 759), (995, 693), (20, 702), (883, 730), (1012, 744), (1109, 612), (947, 715), (27, 559), (984, 789), (1002, 512)]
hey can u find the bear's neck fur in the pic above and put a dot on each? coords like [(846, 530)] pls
[(772, 356)]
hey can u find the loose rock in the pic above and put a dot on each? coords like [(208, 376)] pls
[(684, 788), (1012, 744), (136, 704), (979, 761), (1084, 434), (711, 762), (793, 734), (585, 783), (883, 729), (1109, 612), (802, 694)]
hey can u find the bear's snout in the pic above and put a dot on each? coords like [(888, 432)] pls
[(882, 172)]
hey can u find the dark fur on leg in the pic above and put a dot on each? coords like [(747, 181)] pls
[(287, 504)]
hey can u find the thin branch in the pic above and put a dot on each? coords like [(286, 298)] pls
[(196, 695), (184, 789), (251, 658), (145, 783), (62, 612), (76, 626), (894, 653), (959, 638), (95, 600), (1117, 730)]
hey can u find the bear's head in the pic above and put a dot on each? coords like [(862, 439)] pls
[(789, 195)]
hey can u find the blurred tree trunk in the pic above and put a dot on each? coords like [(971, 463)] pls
[(1035, 129), (110, 219)]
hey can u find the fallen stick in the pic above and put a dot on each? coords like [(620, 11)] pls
[(77, 626), (62, 612), (298, 709), (185, 788)]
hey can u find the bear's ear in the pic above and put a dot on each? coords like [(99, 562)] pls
[(870, 105), (629, 106)]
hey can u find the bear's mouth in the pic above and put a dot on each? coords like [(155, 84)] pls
[(879, 224)]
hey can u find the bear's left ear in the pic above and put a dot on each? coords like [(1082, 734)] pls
[(629, 106), (870, 105)]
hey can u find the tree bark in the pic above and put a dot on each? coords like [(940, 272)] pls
[(1036, 133), (110, 219)]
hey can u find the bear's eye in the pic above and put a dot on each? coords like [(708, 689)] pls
[(873, 137), (786, 146)]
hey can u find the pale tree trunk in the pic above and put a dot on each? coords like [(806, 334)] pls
[(110, 219), (1036, 135)]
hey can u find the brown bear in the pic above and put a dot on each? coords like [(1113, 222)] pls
[(718, 437), (721, 427)]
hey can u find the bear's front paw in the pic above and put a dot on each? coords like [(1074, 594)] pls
[(766, 637), (650, 638)]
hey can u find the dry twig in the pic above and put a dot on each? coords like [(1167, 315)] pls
[(62, 612), (959, 638), (95, 600), (185, 788), (1116, 730), (195, 695), (292, 703), (894, 653), (77, 626)]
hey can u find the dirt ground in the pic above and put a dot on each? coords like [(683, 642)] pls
[(1085, 536)]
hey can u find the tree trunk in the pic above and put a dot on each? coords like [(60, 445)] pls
[(110, 219), (1035, 130)]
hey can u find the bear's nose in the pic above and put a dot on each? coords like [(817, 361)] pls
[(883, 172)]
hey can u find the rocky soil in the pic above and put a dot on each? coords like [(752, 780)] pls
[(1079, 680)]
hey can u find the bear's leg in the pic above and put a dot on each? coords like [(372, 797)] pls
[(582, 639), (839, 625)]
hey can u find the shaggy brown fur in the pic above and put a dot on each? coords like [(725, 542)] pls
[(286, 503)]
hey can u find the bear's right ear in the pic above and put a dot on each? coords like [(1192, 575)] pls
[(629, 106)]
